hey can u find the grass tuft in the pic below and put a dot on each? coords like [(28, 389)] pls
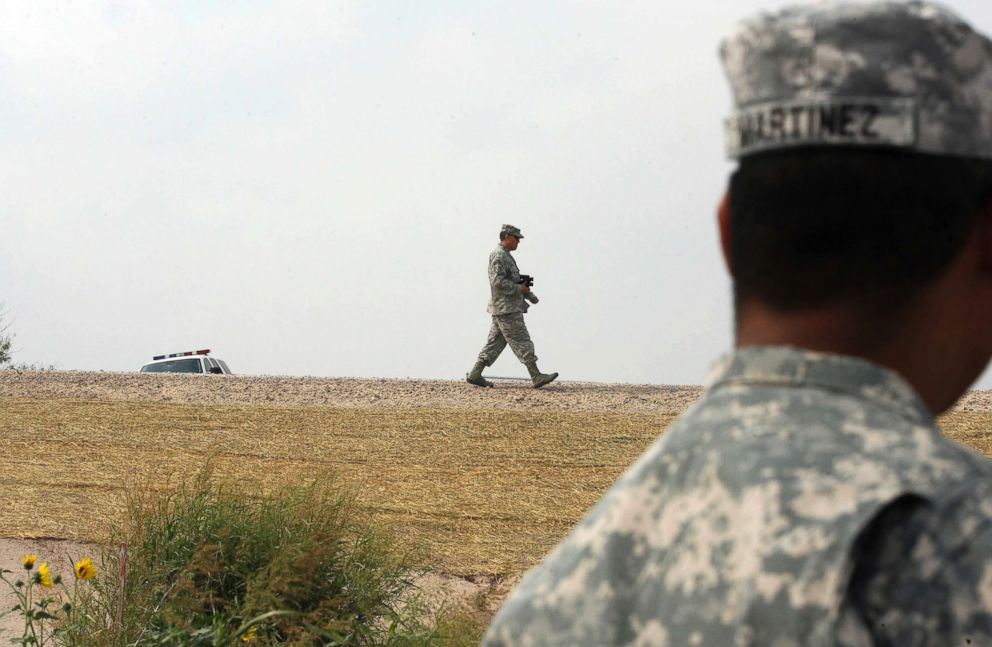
[(205, 564)]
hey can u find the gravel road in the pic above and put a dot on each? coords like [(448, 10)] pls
[(364, 393)]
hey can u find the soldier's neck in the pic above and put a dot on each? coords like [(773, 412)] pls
[(914, 348)]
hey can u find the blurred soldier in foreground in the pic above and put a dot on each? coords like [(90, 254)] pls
[(507, 304), (808, 498)]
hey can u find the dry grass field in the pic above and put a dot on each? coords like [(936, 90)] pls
[(485, 480)]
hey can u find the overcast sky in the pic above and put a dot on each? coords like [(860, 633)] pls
[(314, 188)]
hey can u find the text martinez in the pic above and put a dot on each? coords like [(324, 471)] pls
[(864, 122)]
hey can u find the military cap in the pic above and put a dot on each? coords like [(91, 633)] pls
[(510, 229), (909, 75)]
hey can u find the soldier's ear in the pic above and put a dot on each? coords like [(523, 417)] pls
[(723, 224)]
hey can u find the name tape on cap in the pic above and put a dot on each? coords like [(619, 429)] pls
[(839, 121)]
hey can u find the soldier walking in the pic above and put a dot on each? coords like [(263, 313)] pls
[(508, 302), (809, 498)]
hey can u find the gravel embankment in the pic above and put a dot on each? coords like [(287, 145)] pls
[(342, 392), (975, 401), (364, 393)]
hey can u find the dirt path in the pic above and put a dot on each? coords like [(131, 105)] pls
[(343, 392)]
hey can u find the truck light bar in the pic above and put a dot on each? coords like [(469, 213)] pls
[(205, 351)]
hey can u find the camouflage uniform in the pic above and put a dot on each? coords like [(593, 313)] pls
[(507, 306), (797, 475), (807, 499)]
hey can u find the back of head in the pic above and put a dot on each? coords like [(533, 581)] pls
[(865, 228)]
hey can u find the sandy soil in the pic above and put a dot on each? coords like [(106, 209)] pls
[(60, 556)]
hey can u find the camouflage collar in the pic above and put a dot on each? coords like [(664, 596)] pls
[(789, 366)]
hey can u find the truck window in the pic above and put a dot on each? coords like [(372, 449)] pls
[(184, 365)]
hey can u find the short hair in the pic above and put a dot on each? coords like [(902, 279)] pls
[(861, 227), (503, 234)]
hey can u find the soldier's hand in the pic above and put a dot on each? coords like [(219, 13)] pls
[(535, 300), (524, 289)]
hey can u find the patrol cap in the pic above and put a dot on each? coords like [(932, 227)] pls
[(909, 75), (510, 229)]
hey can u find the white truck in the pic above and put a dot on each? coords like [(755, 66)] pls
[(193, 361)]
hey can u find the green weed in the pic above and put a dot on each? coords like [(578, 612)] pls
[(206, 565)]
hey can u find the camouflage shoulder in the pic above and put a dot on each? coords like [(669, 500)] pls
[(931, 575)]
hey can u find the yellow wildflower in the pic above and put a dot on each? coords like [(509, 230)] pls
[(28, 561), (43, 577), (85, 569), (249, 635)]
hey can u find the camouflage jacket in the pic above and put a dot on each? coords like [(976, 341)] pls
[(504, 284), (806, 499)]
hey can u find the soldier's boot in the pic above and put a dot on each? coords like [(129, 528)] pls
[(475, 376), (538, 378)]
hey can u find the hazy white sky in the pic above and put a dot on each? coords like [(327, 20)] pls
[(313, 188)]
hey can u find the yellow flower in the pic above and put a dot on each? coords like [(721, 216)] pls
[(28, 561), (85, 569), (249, 635), (43, 577)]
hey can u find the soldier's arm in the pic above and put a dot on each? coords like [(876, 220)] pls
[(499, 276), (923, 575)]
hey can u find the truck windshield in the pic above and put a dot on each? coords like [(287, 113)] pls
[(188, 365)]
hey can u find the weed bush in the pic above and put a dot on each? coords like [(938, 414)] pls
[(202, 564)]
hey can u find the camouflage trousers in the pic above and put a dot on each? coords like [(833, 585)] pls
[(509, 328)]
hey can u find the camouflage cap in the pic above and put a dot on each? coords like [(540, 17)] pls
[(510, 229), (910, 75)]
